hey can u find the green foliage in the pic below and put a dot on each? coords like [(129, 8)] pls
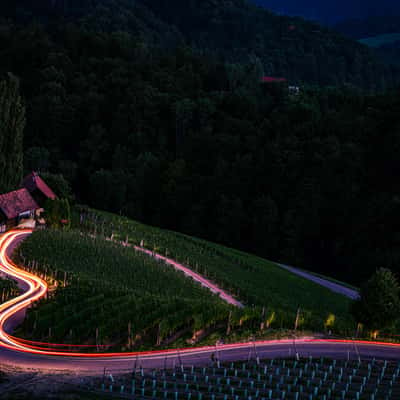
[(8, 290), (58, 213), (253, 280), (12, 124), (379, 304), (37, 159), (58, 184), (108, 288), (154, 110)]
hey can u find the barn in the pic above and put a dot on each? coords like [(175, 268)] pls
[(16, 206), (38, 188)]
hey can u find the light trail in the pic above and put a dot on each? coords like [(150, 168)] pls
[(37, 289)]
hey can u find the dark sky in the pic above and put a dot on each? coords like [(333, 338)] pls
[(330, 11)]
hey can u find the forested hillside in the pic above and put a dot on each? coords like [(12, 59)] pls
[(236, 31), (181, 138)]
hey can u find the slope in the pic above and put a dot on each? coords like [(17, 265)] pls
[(108, 295), (333, 10), (236, 30)]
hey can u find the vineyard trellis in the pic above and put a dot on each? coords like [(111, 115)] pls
[(107, 294), (291, 379), (260, 284)]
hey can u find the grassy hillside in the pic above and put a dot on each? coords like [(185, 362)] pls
[(124, 298), (254, 280), (132, 302)]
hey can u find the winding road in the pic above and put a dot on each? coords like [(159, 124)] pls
[(21, 353)]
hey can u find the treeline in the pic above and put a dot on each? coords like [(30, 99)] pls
[(191, 142), (237, 31)]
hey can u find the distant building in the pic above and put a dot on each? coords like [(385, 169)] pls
[(273, 79), (294, 90), (14, 207), (38, 188)]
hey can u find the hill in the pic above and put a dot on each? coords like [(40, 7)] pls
[(332, 11), (380, 33), (237, 31), (97, 279), (369, 27)]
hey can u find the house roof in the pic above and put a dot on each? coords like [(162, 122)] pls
[(271, 79), (15, 203), (34, 182)]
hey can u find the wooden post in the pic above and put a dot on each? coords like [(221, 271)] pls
[(296, 324), (228, 328)]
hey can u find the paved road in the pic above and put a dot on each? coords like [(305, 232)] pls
[(18, 353), (202, 356), (334, 287)]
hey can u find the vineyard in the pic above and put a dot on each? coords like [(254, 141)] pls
[(274, 294), (8, 290), (303, 379), (105, 296)]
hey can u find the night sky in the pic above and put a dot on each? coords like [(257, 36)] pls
[(331, 11)]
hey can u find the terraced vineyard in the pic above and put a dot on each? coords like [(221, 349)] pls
[(8, 290), (275, 293), (109, 295), (304, 379)]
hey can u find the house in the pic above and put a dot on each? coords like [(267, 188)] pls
[(38, 188), (14, 207)]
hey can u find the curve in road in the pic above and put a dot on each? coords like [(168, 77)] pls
[(18, 352)]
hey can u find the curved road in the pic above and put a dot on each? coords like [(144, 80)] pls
[(14, 351)]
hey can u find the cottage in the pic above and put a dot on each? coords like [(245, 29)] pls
[(14, 207), (38, 188)]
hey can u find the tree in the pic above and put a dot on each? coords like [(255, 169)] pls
[(58, 213), (37, 159), (12, 124), (379, 304), (58, 184)]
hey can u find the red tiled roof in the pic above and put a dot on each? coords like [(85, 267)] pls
[(14, 203), (271, 79), (34, 182)]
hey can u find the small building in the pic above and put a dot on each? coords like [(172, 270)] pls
[(273, 79), (16, 206), (38, 188)]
